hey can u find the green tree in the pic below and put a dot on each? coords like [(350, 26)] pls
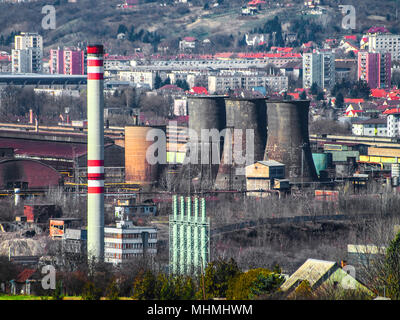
[(112, 291), (303, 291), (253, 283), (157, 82), (122, 29), (320, 96), (392, 268), (90, 292), (144, 286), (314, 89), (217, 276), (339, 100), (58, 291), (303, 95)]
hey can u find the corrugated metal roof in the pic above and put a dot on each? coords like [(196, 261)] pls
[(31, 148), (312, 270), (271, 163)]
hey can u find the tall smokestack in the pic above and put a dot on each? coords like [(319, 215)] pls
[(95, 103)]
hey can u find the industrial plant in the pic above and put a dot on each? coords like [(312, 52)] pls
[(240, 164)]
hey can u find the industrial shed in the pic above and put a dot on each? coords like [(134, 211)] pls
[(27, 174)]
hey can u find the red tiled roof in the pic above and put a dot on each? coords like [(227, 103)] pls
[(352, 37), (378, 93), (348, 100), (378, 29), (199, 90), (25, 275), (294, 95), (392, 111), (189, 39)]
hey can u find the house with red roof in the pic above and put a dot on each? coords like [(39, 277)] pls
[(27, 282)]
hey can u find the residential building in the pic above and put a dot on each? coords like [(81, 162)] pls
[(139, 77), (222, 82), (375, 69), (126, 241), (67, 61), (371, 127), (319, 68), (393, 122), (384, 42), (27, 53), (56, 61)]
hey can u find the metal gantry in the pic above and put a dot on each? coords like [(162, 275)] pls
[(189, 234)]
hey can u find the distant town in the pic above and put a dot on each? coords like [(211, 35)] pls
[(147, 168)]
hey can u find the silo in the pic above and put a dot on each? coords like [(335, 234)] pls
[(288, 139), (137, 168), (241, 114), (205, 113)]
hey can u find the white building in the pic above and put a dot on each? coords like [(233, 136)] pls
[(126, 241), (319, 67), (379, 42), (393, 122), (139, 77), (27, 53), (370, 127), (224, 82)]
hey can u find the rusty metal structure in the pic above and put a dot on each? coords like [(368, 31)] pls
[(205, 113), (243, 114), (137, 169), (288, 139)]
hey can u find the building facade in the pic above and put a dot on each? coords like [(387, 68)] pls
[(319, 68), (126, 242), (375, 69), (222, 82), (385, 42), (67, 61), (371, 127), (27, 53)]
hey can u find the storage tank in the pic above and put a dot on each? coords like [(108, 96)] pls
[(288, 139), (242, 114), (205, 112), (137, 169)]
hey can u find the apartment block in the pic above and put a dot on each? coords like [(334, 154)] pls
[(27, 53), (319, 68), (139, 77), (375, 69), (67, 61), (380, 42), (222, 82)]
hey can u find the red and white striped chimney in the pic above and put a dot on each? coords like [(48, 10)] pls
[(95, 111)]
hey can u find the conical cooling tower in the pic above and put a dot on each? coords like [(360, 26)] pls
[(205, 113), (241, 115), (288, 140)]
